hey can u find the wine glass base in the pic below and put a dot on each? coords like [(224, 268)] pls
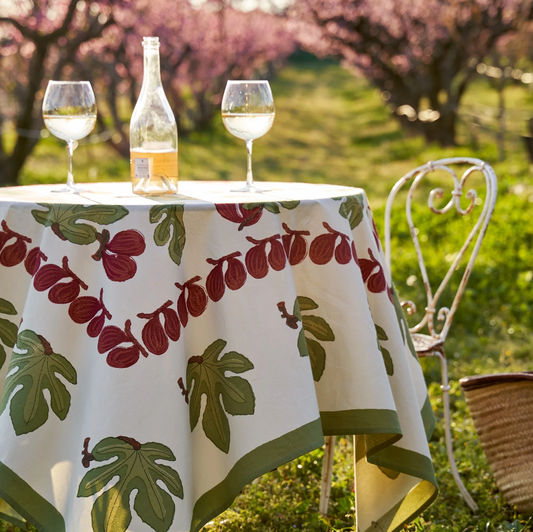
[(251, 189), (69, 190)]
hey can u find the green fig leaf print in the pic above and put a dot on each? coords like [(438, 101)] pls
[(290, 204), (317, 327), (352, 210), (8, 330), (31, 371), (306, 303), (317, 356), (272, 206), (137, 469), (7, 308), (162, 234), (206, 375), (382, 336), (65, 220)]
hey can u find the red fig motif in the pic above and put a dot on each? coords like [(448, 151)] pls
[(172, 324), (13, 254), (256, 261), (373, 274), (196, 300), (110, 337), (235, 276), (367, 267), (154, 336), (130, 242), (118, 268), (229, 211), (84, 309), (48, 276), (298, 250), (123, 357), (96, 325), (237, 213), (63, 293), (32, 262), (120, 357), (377, 282), (276, 256), (343, 253), (322, 248), (89, 309), (215, 282), (182, 309)]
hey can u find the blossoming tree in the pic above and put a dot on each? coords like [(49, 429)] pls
[(100, 40), (422, 54), (37, 41)]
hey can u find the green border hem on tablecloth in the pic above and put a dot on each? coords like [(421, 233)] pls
[(380, 427), (36, 510), (360, 421), (405, 461), (265, 458), (20, 523)]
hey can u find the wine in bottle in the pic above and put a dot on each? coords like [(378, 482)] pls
[(153, 132)]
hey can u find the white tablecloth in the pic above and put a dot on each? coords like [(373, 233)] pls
[(158, 354)]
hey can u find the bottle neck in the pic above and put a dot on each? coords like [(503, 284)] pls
[(152, 70)]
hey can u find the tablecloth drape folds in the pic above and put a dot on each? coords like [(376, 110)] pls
[(158, 354)]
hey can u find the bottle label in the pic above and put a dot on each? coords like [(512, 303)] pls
[(160, 163), (154, 172), (143, 168)]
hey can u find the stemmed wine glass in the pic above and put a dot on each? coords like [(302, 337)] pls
[(248, 113), (69, 113)]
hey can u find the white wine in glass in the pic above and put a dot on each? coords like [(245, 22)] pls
[(248, 113), (69, 113)]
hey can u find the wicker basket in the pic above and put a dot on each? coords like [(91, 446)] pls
[(502, 409)]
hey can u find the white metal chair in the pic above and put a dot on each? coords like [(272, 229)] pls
[(432, 344)]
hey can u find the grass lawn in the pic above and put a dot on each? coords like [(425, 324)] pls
[(333, 127)]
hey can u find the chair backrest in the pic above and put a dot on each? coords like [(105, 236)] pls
[(444, 314)]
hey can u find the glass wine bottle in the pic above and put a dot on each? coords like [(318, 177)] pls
[(153, 132)]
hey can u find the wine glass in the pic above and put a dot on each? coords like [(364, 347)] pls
[(248, 113), (69, 113)]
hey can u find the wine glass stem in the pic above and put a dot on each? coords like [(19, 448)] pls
[(70, 177), (249, 176)]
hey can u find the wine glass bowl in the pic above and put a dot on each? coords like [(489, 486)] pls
[(248, 113), (69, 113)]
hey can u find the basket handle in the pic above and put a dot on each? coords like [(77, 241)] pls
[(480, 381)]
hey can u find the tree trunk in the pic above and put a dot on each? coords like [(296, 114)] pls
[(441, 130), (12, 164), (9, 173)]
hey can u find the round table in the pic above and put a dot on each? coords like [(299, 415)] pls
[(157, 354)]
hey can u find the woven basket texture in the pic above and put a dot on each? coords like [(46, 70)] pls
[(503, 417)]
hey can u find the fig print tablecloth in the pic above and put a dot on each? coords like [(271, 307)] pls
[(158, 354)]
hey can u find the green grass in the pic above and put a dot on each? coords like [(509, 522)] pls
[(332, 127)]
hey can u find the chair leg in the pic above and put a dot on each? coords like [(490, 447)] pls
[(445, 387), (327, 474)]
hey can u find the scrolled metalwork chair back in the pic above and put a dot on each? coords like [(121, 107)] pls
[(432, 344), (459, 193)]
